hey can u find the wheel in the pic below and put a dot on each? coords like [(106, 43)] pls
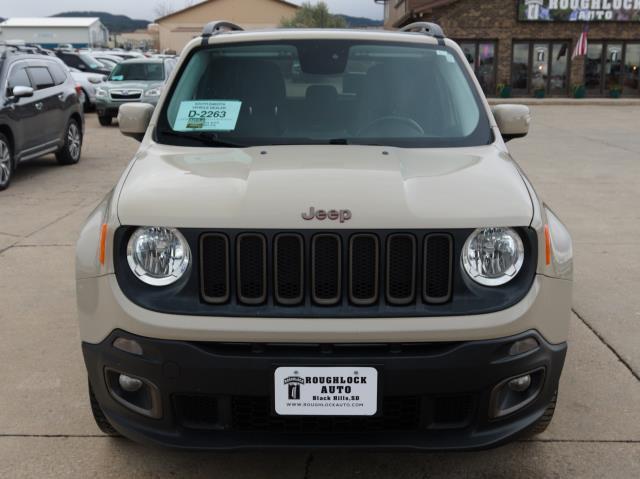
[(105, 120), (6, 163), (101, 420), (542, 424), (69, 154)]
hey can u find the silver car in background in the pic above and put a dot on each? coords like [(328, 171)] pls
[(88, 83), (135, 80)]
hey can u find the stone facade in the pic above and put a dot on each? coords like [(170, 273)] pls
[(497, 20)]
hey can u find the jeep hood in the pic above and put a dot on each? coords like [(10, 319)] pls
[(270, 187)]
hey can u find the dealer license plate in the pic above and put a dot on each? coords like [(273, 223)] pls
[(326, 391)]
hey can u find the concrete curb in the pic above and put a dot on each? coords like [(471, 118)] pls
[(566, 101)]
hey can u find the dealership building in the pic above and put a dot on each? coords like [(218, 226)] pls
[(50, 32), (527, 45)]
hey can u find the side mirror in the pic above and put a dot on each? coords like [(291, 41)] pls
[(22, 91), (134, 119), (512, 120), (82, 66)]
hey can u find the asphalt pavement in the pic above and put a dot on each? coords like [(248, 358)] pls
[(584, 160)]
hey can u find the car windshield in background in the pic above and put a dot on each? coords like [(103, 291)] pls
[(324, 92), (146, 71), (89, 60)]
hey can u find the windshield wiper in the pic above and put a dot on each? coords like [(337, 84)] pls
[(209, 139)]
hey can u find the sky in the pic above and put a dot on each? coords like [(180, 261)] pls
[(144, 9)]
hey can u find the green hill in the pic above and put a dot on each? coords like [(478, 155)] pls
[(361, 22), (115, 23)]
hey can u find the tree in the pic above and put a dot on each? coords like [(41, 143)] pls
[(314, 16)]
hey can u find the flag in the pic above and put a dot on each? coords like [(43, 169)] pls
[(581, 46)]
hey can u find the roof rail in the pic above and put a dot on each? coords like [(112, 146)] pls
[(215, 28), (431, 29)]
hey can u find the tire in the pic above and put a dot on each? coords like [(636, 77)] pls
[(70, 152), (101, 420), (105, 120), (542, 424), (6, 163)]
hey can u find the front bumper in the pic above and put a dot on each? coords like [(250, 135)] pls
[(432, 396), (108, 107)]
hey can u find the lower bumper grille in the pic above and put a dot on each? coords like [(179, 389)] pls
[(326, 268), (254, 413)]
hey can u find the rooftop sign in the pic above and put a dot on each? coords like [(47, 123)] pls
[(579, 10)]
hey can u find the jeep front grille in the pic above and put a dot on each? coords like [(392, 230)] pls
[(325, 269)]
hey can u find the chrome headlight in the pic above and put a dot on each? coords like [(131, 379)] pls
[(153, 92), (493, 256), (101, 92), (158, 256)]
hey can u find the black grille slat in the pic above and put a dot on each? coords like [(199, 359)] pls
[(252, 268), (438, 262), (215, 268), (326, 269), (289, 269), (401, 269), (363, 269)]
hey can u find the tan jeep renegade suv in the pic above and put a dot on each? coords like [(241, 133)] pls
[(323, 242)]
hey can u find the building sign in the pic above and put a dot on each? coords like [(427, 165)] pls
[(579, 10)]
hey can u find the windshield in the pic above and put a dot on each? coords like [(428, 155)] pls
[(89, 60), (147, 71), (324, 92)]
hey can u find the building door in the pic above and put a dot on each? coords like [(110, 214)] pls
[(540, 66)]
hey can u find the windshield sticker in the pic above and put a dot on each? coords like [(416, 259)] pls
[(117, 77), (207, 115)]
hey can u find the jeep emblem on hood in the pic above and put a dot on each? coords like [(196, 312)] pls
[(333, 215)]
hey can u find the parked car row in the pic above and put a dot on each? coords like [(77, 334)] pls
[(40, 110), (44, 94)]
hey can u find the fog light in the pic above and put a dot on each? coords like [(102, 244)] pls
[(128, 346), (515, 393), (518, 384), (129, 384), (523, 346)]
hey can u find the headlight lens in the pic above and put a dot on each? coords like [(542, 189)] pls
[(101, 92), (493, 256), (158, 256), (153, 92)]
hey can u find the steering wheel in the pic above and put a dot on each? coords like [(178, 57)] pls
[(385, 123)]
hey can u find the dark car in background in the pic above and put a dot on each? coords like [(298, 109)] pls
[(82, 61), (40, 111)]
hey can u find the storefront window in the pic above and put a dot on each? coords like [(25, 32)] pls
[(482, 58), (613, 67), (520, 67), (631, 84), (540, 72), (559, 68), (486, 69), (593, 67)]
